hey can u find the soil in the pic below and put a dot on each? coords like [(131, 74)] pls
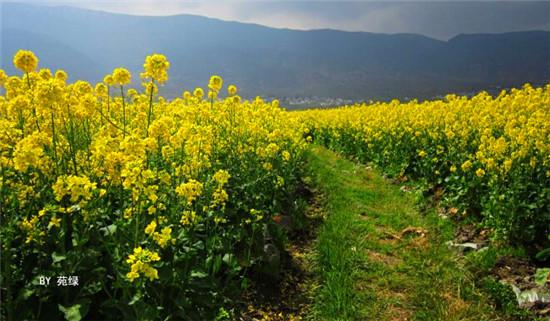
[(469, 233), (288, 297), (520, 272), (278, 300), (515, 270)]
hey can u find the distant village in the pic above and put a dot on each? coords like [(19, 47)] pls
[(326, 102), (314, 101)]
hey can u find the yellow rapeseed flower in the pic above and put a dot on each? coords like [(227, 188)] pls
[(232, 90), (54, 221), (198, 93), (480, 172), (189, 190), (25, 61), (466, 165), (212, 94), (61, 75), (188, 218), (164, 237), (3, 77), (215, 83), (140, 263), (221, 177), (286, 156), (150, 229), (45, 74), (108, 80), (156, 67), (121, 76)]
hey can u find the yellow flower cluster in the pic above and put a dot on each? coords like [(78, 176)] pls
[(190, 190), (29, 227), (232, 90), (220, 196), (121, 76), (25, 61), (216, 83), (492, 153), (140, 262), (29, 152), (78, 188), (163, 237), (221, 177), (188, 218), (156, 68)]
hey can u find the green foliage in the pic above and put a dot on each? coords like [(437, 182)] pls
[(75, 312), (505, 299), (542, 276)]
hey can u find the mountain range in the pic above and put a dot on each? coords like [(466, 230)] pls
[(273, 62)]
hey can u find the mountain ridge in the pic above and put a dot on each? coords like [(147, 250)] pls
[(277, 62)]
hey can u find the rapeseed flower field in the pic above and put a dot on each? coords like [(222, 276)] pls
[(489, 155), (155, 209), (149, 202)]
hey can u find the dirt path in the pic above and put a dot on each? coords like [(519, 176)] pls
[(379, 257)]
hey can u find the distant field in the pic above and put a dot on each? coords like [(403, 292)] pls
[(489, 154)]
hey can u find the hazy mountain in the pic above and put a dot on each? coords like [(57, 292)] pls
[(273, 62)]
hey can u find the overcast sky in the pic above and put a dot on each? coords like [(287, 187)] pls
[(438, 19)]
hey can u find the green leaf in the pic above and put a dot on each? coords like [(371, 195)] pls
[(108, 230), (71, 313), (217, 264), (198, 274), (199, 245), (543, 255), (222, 315), (541, 276), (135, 299), (58, 257), (244, 284), (228, 259), (27, 293)]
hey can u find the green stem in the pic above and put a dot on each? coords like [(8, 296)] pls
[(21, 123), (70, 136), (136, 232), (150, 114), (54, 143), (33, 108), (108, 120), (28, 80), (123, 111), (6, 264), (108, 99), (64, 245)]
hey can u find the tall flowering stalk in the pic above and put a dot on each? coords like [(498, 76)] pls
[(156, 70), (122, 77)]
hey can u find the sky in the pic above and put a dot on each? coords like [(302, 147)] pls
[(437, 19)]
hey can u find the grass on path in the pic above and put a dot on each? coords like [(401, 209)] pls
[(378, 258)]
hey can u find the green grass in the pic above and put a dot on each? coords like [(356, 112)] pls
[(368, 270)]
